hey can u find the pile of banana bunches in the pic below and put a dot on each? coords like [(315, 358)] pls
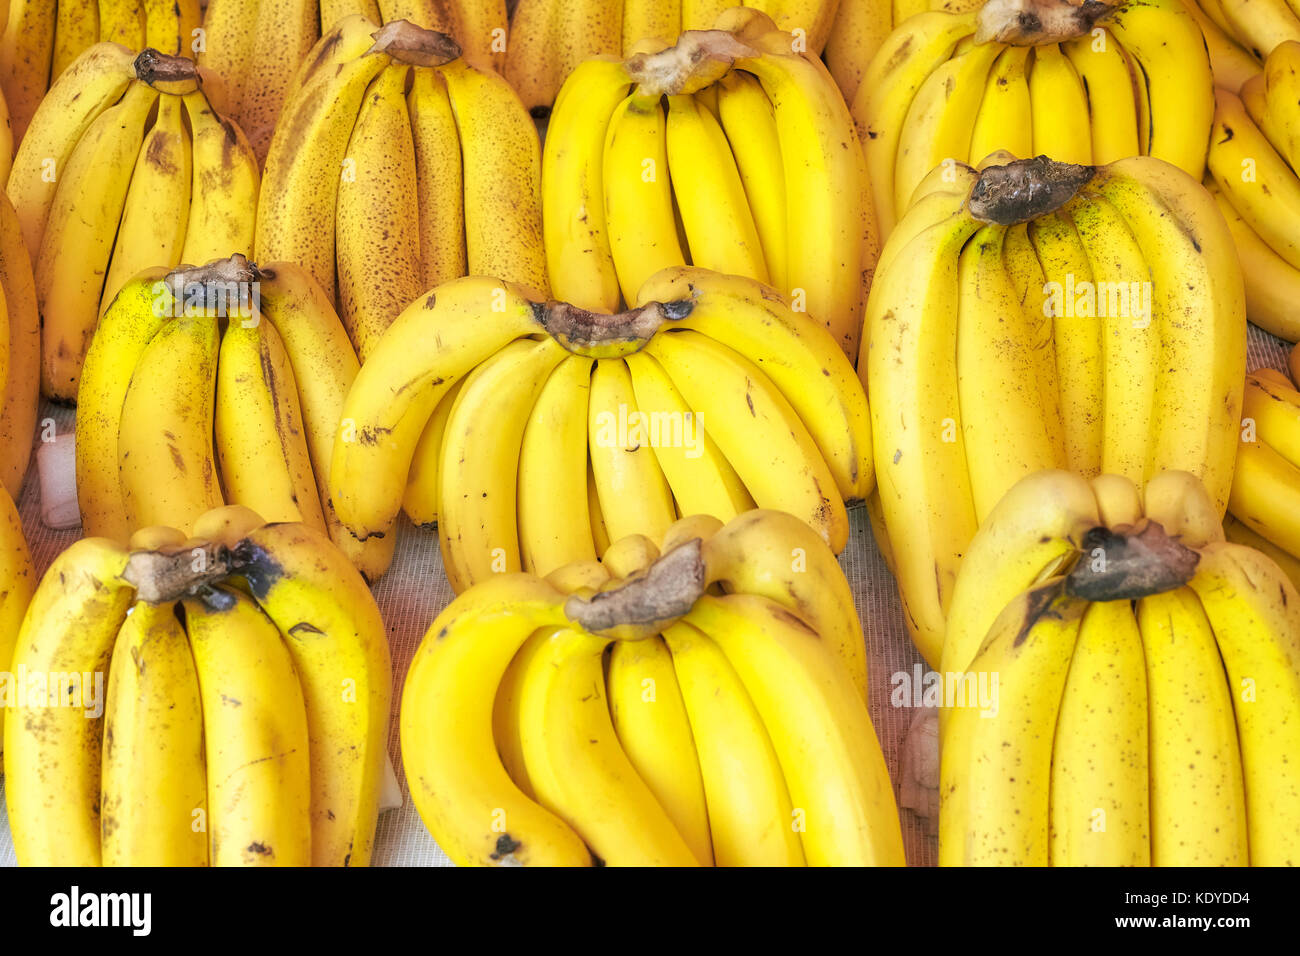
[(629, 308)]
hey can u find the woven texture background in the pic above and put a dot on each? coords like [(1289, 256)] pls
[(415, 590)]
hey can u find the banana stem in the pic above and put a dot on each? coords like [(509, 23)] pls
[(1124, 564), (166, 73), (162, 576), (648, 602), (604, 335), (1026, 189), (1034, 22), (697, 59), (408, 43)]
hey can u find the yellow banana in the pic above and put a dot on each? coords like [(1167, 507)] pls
[(15, 568), (20, 389), (439, 180), (223, 203), (1112, 112), (1004, 116), (1272, 283), (420, 502), (1182, 506), (1058, 104)]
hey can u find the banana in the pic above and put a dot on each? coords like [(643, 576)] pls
[(643, 19), (170, 26), (994, 776), (1199, 312), (1238, 533), (166, 465), (1170, 52), (1261, 26), (1255, 615), (1180, 503), (439, 180), (1130, 344), (940, 122), (857, 33), (839, 787), (255, 734), (154, 781), (20, 388), (779, 557), (579, 262), (260, 439), (830, 232), (549, 39), (634, 494), (1058, 101), (420, 502), (576, 764), (638, 198), (923, 481), (339, 648), (629, 555), (129, 324), (1099, 813), (1272, 283), (650, 718), (1274, 407), (749, 122), (474, 811), (599, 533), (1231, 65), (1034, 531), (153, 227), (999, 382), (796, 355), (710, 196), (1076, 339), (505, 709), (502, 177), (399, 387), (1265, 495), (53, 740), (1281, 94), (700, 478), (122, 21), (1198, 803), (300, 181), (749, 812), (1119, 501), (76, 27), (1004, 116), (16, 569), (905, 60), (554, 524), (579, 575), (227, 525), (27, 39), (78, 238), (223, 202), (377, 241), (1112, 112), (756, 429), (479, 469)]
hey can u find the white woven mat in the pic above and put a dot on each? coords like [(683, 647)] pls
[(415, 590)]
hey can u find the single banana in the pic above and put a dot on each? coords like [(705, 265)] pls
[(1266, 494), (223, 202), (548, 40), (1229, 62), (629, 555), (1238, 533), (154, 782), (420, 502), (122, 21), (76, 28), (16, 569), (650, 718), (1281, 96), (20, 389), (661, 19), (1004, 116), (1261, 26), (1059, 102), (1198, 802), (1112, 112), (1272, 283), (858, 31), (1119, 501), (439, 180), (1182, 506), (166, 464)]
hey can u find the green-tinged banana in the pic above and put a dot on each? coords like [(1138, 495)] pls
[(554, 524), (53, 738), (1198, 802), (166, 465), (650, 718), (750, 819), (1099, 792), (154, 780), (255, 734)]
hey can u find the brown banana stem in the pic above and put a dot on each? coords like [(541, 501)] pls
[(604, 335), (1026, 189), (408, 43), (1034, 22), (1126, 563), (169, 74), (162, 576), (698, 58), (648, 601)]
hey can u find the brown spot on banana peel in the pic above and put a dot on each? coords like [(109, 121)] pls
[(1137, 561), (645, 602), (1026, 189)]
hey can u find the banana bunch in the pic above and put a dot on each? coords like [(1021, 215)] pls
[(218, 700), (550, 38), (1264, 507), (1039, 315), (257, 46), (703, 705), (728, 151), (1089, 83), (1254, 173), (127, 165), (861, 26), (383, 192), (17, 582), (537, 433), (20, 352), (1240, 34), (40, 41), (221, 384), (1124, 685)]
